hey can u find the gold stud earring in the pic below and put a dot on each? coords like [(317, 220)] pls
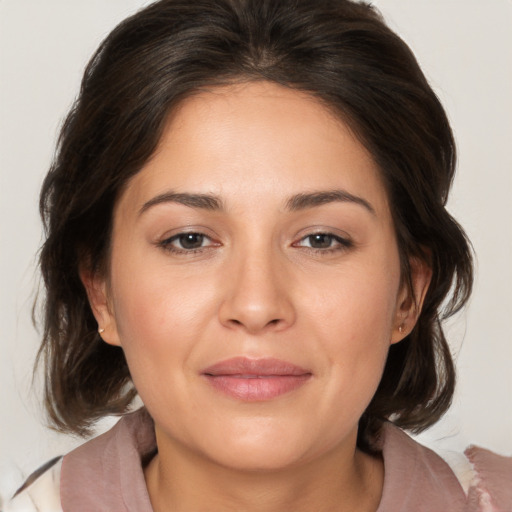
[(101, 330)]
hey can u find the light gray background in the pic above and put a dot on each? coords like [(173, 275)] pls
[(465, 48)]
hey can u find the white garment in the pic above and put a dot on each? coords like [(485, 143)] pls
[(42, 495)]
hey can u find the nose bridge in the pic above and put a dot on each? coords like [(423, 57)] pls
[(257, 297)]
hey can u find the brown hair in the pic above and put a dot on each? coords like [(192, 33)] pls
[(339, 51)]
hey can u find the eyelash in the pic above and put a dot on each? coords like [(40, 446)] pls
[(167, 244), (342, 244)]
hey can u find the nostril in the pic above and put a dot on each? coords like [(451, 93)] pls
[(274, 322)]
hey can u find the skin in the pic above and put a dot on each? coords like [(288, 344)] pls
[(258, 284)]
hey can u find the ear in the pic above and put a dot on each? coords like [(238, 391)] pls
[(96, 287), (410, 301)]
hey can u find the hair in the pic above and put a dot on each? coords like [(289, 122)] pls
[(338, 51)]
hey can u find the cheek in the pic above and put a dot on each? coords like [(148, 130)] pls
[(157, 315), (156, 345), (151, 296), (358, 303), (355, 322)]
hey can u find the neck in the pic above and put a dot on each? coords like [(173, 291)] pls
[(183, 481)]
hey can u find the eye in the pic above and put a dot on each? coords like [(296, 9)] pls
[(186, 242), (324, 242)]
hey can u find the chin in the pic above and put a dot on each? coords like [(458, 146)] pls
[(261, 457), (267, 448)]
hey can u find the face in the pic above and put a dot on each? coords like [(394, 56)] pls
[(254, 280)]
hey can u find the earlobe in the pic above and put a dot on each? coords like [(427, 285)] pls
[(411, 298), (97, 293)]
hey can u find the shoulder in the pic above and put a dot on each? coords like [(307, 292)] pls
[(106, 472), (491, 487), (416, 478), (40, 492), (477, 480)]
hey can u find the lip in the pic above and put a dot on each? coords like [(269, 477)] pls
[(254, 380)]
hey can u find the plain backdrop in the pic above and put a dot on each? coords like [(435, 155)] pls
[(465, 49)]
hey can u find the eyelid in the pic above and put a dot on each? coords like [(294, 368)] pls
[(344, 241), (322, 230), (166, 242)]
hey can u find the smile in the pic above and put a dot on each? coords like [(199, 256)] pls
[(254, 380)]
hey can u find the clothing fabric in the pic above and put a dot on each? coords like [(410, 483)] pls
[(106, 475), (40, 492)]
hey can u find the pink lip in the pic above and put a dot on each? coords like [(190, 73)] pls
[(255, 380)]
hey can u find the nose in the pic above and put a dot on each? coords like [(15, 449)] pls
[(257, 296)]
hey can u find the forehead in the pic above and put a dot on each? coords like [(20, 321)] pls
[(254, 141)]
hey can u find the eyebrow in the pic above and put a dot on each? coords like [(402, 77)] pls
[(312, 199), (201, 201), (297, 202)]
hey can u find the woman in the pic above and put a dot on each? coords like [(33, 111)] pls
[(246, 227)]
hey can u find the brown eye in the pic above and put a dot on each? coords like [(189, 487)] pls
[(324, 242), (190, 240), (320, 241), (184, 243)]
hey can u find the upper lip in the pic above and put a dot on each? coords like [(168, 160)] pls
[(245, 366)]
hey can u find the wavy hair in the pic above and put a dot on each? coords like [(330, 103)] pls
[(339, 51)]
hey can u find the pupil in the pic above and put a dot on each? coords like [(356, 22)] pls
[(321, 241), (191, 240)]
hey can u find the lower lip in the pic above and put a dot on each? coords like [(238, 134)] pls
[(259, 388)]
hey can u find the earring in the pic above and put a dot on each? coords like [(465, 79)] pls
[(101, 330), (401, 328)]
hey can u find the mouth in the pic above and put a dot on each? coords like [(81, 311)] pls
[(254, 380)]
